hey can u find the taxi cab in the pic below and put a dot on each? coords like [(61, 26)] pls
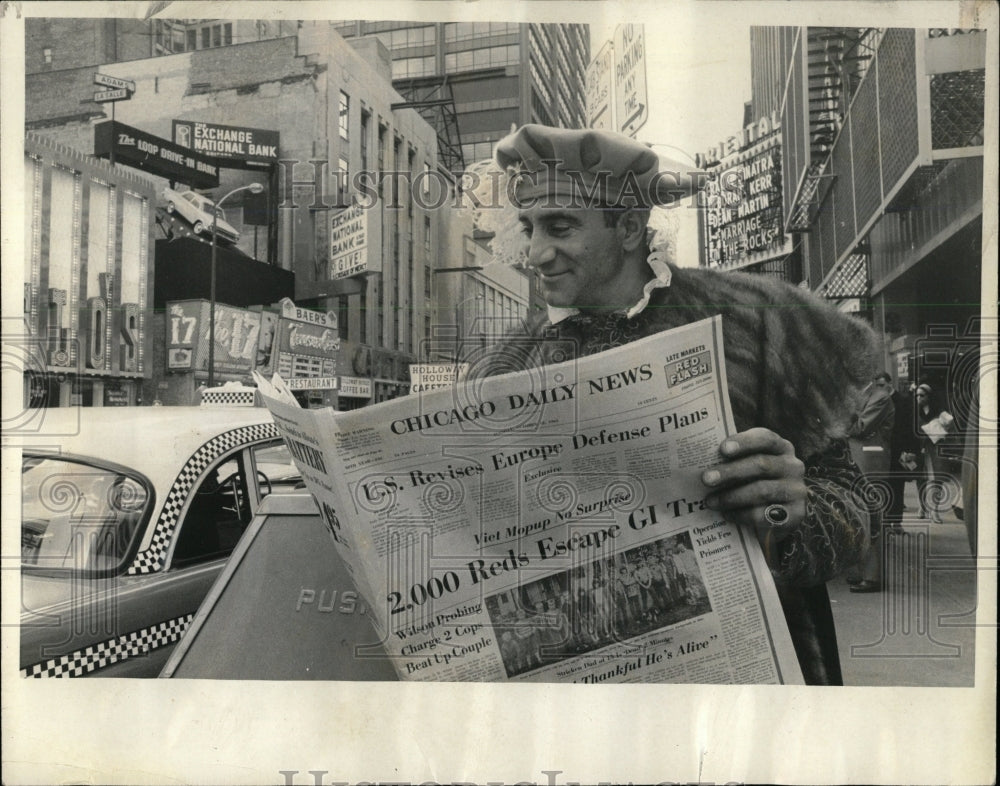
[(127, 517)]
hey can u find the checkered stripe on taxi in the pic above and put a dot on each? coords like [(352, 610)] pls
[(222, 398), (104, 653), (151, 559)]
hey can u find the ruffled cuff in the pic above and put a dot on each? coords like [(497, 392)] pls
[(834, 536)]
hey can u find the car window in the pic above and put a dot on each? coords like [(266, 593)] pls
[(218, 512), (275, 469), (191, 197), (78, 516)]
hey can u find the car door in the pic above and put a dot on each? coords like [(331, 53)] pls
[(122, 623), (218, 510)]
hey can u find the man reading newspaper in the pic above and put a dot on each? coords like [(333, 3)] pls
[(795, 366)]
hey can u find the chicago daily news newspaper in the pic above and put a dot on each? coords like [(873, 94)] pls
[(549, 525)]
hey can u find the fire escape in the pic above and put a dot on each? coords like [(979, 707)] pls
[(837, 59)]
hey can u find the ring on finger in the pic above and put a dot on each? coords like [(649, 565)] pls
[(776, 515)]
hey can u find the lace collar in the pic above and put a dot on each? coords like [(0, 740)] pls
[(661, 278)]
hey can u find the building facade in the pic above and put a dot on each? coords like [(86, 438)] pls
[(882, 178), (89, 269), (500, 74), (358, 206)]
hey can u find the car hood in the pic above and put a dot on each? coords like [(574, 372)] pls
[(224, 228)]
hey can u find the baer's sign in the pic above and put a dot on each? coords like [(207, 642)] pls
[(230, 143), (154, 154)]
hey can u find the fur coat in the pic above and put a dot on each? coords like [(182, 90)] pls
[(794, 365)]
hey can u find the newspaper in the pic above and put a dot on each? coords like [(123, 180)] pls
[(549, 525)]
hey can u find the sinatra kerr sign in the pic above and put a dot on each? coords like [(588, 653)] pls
[(232, 143)]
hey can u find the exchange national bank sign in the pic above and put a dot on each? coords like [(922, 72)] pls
[(742, 198), (256, 147), (349, 233)]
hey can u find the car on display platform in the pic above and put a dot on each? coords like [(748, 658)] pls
[(128, 515), (198, 211)]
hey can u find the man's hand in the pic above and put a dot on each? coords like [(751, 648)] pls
[(759, 469)]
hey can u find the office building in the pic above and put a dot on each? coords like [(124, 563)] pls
[(499, 74)]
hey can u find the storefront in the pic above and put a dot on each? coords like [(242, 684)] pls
[(385, 374), (302, 346)]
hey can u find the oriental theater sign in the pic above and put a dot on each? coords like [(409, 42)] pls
[(741, 216)]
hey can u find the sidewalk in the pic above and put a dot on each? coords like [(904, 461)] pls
[(919, 630)]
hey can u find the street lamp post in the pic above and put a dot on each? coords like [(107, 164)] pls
[(253, 188)]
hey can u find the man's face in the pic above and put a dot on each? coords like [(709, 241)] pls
[(578, 257)]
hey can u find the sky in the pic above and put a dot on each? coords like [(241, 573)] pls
[(697, 80)]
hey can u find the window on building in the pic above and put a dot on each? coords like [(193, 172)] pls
[(344, 116), (192, 40), (427, 233), (408, 67), (477, 151), (428, 277), (365, 123), (381, 160), (490, 57), (47, 56), (396, 161), (227, 34), (395, 326), (363, 308), (342, 316), (412, 332), (427, 179), (343, 180), (411, 157), (216, 35)]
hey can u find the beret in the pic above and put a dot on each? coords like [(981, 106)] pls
[(589, 167)]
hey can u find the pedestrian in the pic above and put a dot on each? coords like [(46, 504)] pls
[(871, 432), (904, 449), (795, 366), (935, 425), (871, 435)]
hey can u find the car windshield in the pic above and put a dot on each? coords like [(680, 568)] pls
[(76, 515), (275, 469)]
